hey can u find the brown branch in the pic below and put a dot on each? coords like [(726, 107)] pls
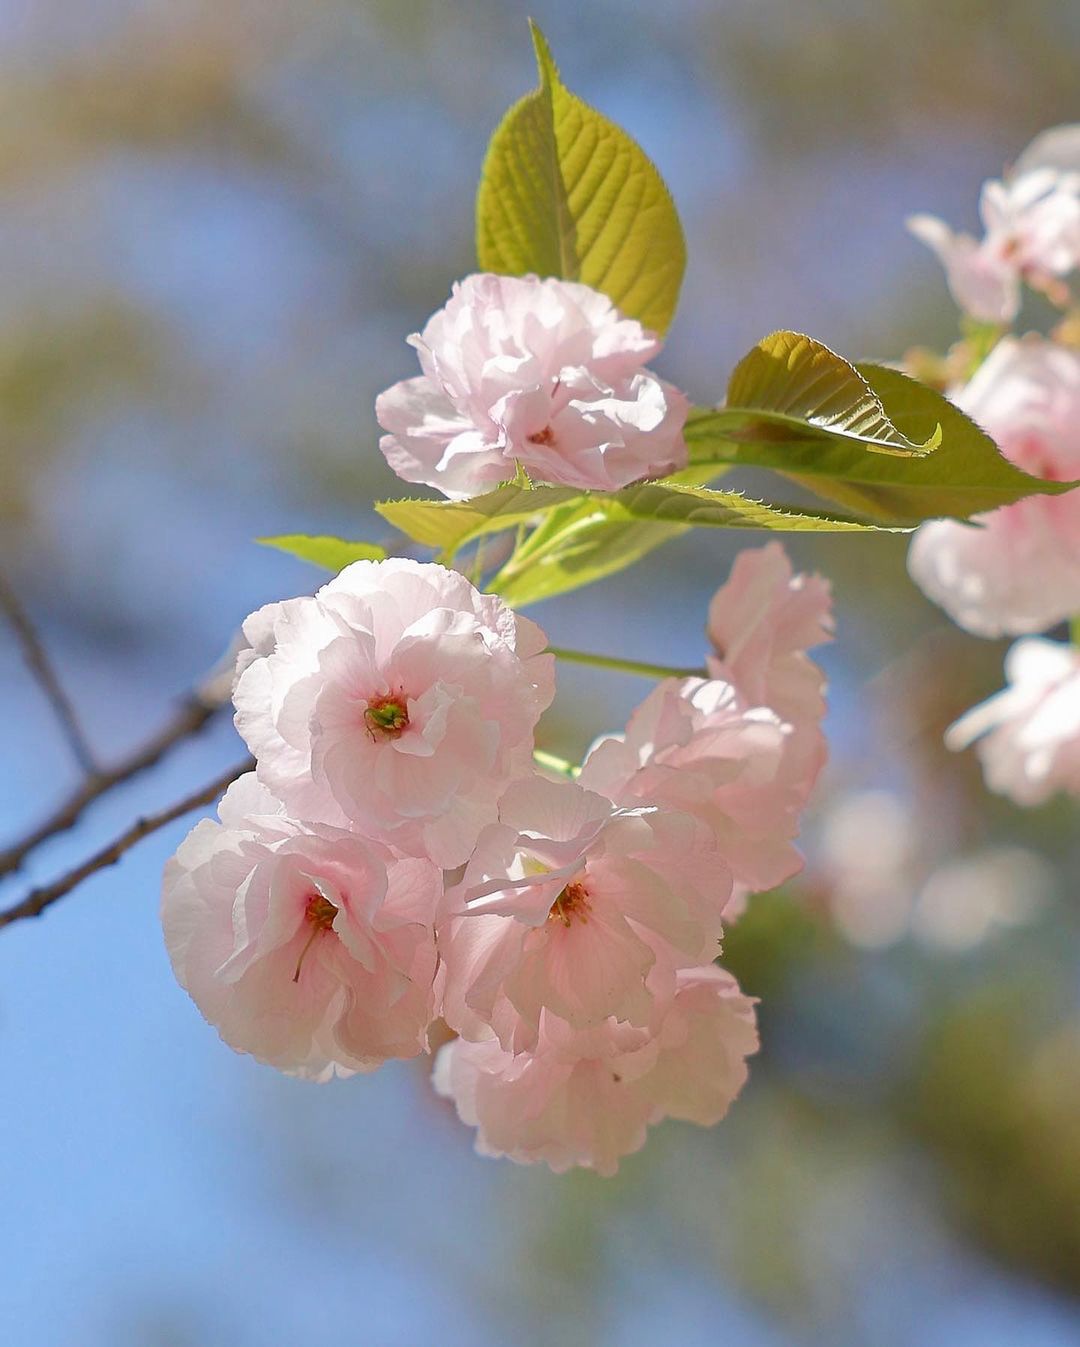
[(37, 658), (191, 715), (37, 900)]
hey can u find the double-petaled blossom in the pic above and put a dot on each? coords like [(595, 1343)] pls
[(1031, 224), (545, 374), (577, 910), (1017, 569), (694, 745), (1028, 735), (586, 1096), (398, 701), (309, 947), (762, 621)]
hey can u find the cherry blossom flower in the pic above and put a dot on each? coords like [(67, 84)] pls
[(542, 373), (398, 701), (1029, 734), (1017, 569), (586, 1097), (693, 745), (577, 909), (1031, 223), (308, 947), (761, 623)]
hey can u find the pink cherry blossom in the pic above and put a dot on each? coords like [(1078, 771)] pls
[(761, 623), (542, 373), (1028, 735), (1032, 233), (693, 745), (577, 909), (308, 947), (398, 700), (1017, 569), (586, 1097)]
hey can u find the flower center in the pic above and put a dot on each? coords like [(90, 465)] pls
[(545, 436), (572, 903), (386, 717), (320, 913)]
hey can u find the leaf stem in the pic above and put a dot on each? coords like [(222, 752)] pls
[(630, 666), (554, 763)]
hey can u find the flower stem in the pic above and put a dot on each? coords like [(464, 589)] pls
[(630, 666), (1074, 630)]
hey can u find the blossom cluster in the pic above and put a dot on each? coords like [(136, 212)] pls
[(1016, 570), (397, 859)]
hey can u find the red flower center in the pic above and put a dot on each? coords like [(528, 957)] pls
[(571, 904), (320, 913)]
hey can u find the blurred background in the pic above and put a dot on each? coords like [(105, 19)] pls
[(219, 220)]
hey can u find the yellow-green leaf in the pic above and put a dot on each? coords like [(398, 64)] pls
[(565, 192), (966, 475), (797, 382), (603, 534), (450, 524), (333, 554)]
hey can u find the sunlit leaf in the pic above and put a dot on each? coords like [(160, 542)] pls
[(865, 436), (603, 534), (450, 524), (791, 382), (966, 475), (333, 554), (565, 192), (575, 540)]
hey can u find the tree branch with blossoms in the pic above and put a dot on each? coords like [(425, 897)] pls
[(402, 853)]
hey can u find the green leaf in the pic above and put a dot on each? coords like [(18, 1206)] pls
[(450, 524), (792, 386), (582, 536), (333, 554), (703, 507), (565, 192), (965, 476), (603, 534)]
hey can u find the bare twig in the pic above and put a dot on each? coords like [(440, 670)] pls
[(41, 666), (191, 715), (39, 899)]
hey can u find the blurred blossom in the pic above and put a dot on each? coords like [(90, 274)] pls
[(1032, 234), (868, 851), (967, 901), (1028, 735), (1031, 223)]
